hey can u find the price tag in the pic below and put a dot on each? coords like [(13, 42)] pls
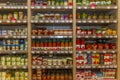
[(33, 36), (85, 7), (70, 7), (88, 51), (25, 21), (4, 67), (57, 67), (32, 7), (47, 21), (62, 51), (94, 66), (49, 67), (66, 7), (115, 21), (80, 52), (6, 36), (90, 21), (15, 67), (52, 7), (51, 21), (111, 36), (19, 21), (38, 67), (70, 21), (102, 21), (99, 36), (38, 7), (115, 7), (0, 21), (13, 21), (22, 7), (14, 52), (92, 7), (24, 67), (115, 36), (108, 7), (44, 7), (94, 51), (58, 7), (56, 21), (106, 36), (95, 21), (39, 36), (41, 21), (104, 51), (66, 67), (86, 36), (113, 51), (8, 21), (66, 21), (0, 7), (37, 52), (33, 67), (84, 21), (107, 21), (79, 7), (33, 52), (79, 21)]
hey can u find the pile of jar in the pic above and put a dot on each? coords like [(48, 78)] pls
[(94, 3), (44, 32), (96, 59), (95, 16), (13, 75), (94, 31), (100, 74), (8, 3), (52, 74), (53, 16), (52, 44), (45, 60), (51, 2), (98, 44), (13, 44), (14, 32), (15, 60), (13, 16)]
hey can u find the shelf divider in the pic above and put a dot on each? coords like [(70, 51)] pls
[(118, 41), (74, 39), (29, 40)]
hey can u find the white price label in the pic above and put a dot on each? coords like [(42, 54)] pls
[(33, 36), (44, 7), (79, 7), (0, 21), (6, 36), (32, 7), (108, 7), (14, 52), (52, 7), (15, 67), (66, 7), (13, 21), (8, 21), (19, 21), (38, 7), (102, 21), (70, 7)]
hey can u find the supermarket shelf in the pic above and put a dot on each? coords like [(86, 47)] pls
[(96, 66), (12, 7), (96, 21), (13, 22), (94, 36), (51, 52), (13, 67), (51, 7), (97, 8), (12, 52), (96, 51), (51, 21), (52, 67), (52, 36), (7, 37)]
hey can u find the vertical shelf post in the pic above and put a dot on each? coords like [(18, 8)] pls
[(29, 41), (74, 39), (118, 43)]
